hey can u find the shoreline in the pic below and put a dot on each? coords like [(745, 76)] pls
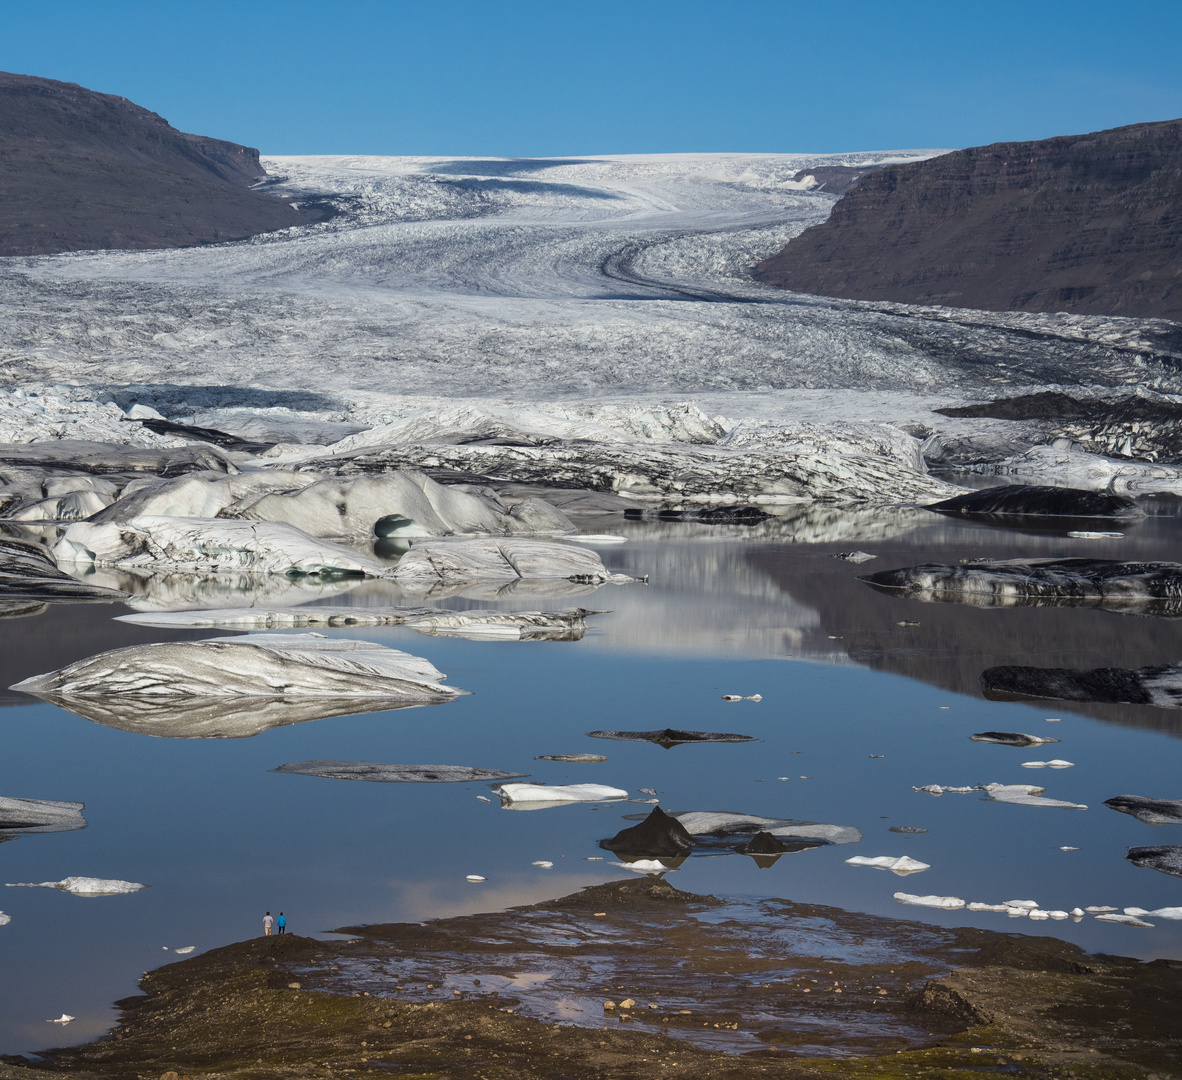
[(986, 1000)]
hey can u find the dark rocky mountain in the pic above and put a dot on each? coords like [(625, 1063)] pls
[(82, 170), (1080, 223)]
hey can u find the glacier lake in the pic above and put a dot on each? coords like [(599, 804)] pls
[(865, 696)]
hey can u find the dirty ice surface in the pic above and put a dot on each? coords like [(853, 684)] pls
[(866, 696)]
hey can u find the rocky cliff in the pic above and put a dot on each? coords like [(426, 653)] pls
[(1082, 223), (82, 170)]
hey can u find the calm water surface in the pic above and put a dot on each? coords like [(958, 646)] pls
[(220, 838)]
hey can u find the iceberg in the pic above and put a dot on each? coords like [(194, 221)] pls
[(901, 865), (1150, 811), (209, 545), (949, 902), (726, 825), (83, 886), (19, 816), (1026, 795), (537, 796)]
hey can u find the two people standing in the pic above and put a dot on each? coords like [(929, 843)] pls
[(270, 924)]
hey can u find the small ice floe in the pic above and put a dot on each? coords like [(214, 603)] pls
[(64, 1019), (395, 774), (83, 886), (1124, 920), (907, 830), (1090, 534), (740, 697), (930, 901), (484, 798), (723, 826), (942, 789), (854, 556), (978, 906), (538, 796), (577, 759), (5, 919), (652, 867), (1157, 913), (668, 737), (545, 864), (596, 538), (1099, 909), (1076, 913), (1150, 811), (1054, 763), (185, 950), (1165, 858), (475, 877), (1053, 720), (903, 865), (1010, 738), (907, 622), (1067, 847), (1026, 795)]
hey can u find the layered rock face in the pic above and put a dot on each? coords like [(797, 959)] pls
[(1079, 223), (81, 170)]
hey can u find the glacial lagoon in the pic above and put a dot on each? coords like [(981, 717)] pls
[(865, 696)]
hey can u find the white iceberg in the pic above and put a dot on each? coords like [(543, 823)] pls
[(430, 563), (83, 886), (930, 901), (1054, 763), (1124, 920), (1026, 795), (901, 865), (261, 665), (209, 545), (535, 796), (5, 919), (722, 823)]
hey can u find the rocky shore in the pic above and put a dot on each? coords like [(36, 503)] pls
[(636, 978)]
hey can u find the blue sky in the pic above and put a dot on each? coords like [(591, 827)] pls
[(569, 77)]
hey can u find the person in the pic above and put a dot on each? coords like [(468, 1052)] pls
[(281, 922), (268, 922)]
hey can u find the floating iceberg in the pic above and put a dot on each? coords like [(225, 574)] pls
[(395, 774), (1023, 500), (430, 563), (38, 816), (209, 545), (1165, 858), (950, 902), (83, 886), (1026, 795), (901, 865), (1011, 738), (726, 825), (1150, 811), (1152, 588), (1125, 920), (668, 737), (27, 570), (1159, 685), (537, 796)]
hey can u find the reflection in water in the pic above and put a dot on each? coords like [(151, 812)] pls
[(670, 737), (151, 591), (1160, 685), (217, 717)]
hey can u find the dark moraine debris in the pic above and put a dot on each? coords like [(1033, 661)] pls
[(1132, 588), (1159, 685), (657, 835), (19, 816), (100, 459), (1021, 500), (203, 434), (668, 737), (1010, 738), (718, 515), (1165, 858), (395, 774), (29, 572), (1150, 811)]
